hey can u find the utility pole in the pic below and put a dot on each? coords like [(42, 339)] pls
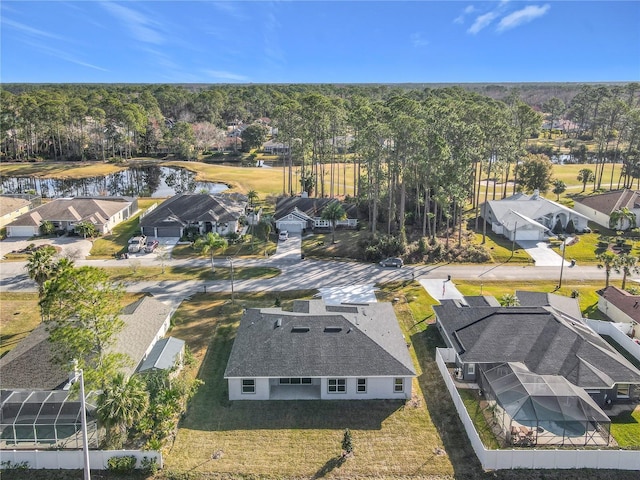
[(232, 292), (563, 246)]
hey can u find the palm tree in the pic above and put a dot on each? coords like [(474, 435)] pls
[(559, 187), (607, 260), (509, 300), (41, 266), (122, 403), (585, 176), (209, 243), (626, 264), (333, 212), (618, 217), (252, 196)]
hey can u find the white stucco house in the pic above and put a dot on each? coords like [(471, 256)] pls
[(598, 208), (529, 217), (320, 352), (300, 214), (619, 305), (11, 208)]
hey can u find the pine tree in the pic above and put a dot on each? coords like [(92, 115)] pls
[(347, 443)]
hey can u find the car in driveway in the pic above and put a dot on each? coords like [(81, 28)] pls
[(137, 243), (283, 235), (151, 246), (392, 262)]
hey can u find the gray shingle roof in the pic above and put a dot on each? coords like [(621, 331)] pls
[(532, 207), (30, 364), (95, 210), (163, 355), (567, 305), (186, 208), (545, 341), (318, 341), (311, 206)]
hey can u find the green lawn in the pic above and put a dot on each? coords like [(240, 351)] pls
[(346, 247), (243, 249), (291, 439), (133, 273), (110, 245), (19, 315), (625, 428)]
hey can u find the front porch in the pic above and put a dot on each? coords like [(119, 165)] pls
[(294, 392)]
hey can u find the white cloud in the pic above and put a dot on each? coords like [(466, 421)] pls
[(522, 16), (63, 55), (140, 26), (417, 40), (34, 32), (460, 18), (222, 75), (469, 9), (482, 21)]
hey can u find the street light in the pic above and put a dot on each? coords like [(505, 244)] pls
[(513, 243), (232, 292), (563, 246), (79, 375)]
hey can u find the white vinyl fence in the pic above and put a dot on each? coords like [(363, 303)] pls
[(607, 328), (532, 458), (71, 459)]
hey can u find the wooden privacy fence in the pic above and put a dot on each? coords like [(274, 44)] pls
[(532, 458)]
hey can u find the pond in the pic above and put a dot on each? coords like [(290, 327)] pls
[(143, 181)]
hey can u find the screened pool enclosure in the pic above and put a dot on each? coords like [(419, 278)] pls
[(533, 409), (45, 418)]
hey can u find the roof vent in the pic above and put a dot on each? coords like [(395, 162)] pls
[(332, 329), (278, 323), (299, 329)]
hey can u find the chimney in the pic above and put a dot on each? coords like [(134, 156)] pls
[(536, 194)]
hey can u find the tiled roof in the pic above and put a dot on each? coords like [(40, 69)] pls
[(186, 208), (623, 300), (96, 210), (611, 201), (545, 341), (316, 340)]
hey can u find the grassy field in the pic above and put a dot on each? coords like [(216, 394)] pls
[(136, 273), (626, 429), (109, 245), (70, 170), (19, 315)]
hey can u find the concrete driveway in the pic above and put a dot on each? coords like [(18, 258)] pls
[(289, 249), (75, 248), (542, 253)]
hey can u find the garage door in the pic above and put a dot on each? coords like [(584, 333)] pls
[(168, 231), (294, 227), (527, 235), (21, 231)]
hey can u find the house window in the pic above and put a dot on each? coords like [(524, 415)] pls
[(337, 385), (398, 385), (471, 369), (361, 385), (295, 381), (248, 385), (623, 391)]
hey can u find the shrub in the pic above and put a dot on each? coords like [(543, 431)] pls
[(149, 465), (557, 229), (570, 228), (123, 464), (347, 442)]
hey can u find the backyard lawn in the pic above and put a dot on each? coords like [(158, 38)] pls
[(19, 315)]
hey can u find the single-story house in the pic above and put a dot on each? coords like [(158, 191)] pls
[(298, 214), (598, 208), (11, 208), (218, 213), (30, 364), (166, 354), (64, 213), (619, 305), (529, 217), (541, 339), (319, 351), (273, 147)]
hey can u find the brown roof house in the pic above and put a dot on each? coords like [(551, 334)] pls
[(598, 208), (11, 208), (64, 213), (619, 305)]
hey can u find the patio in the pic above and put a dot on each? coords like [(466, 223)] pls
[(295, 392)]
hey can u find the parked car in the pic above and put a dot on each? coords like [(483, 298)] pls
[(151, 246), (137, 243), (392, 262), (283, 235)]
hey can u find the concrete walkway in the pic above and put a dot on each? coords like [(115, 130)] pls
[(441, 289)]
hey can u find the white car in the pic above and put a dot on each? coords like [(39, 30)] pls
[(283, 235)]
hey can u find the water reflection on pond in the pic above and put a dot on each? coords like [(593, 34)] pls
[(143, 181)]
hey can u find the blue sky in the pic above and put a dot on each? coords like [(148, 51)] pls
[(319, 42)]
